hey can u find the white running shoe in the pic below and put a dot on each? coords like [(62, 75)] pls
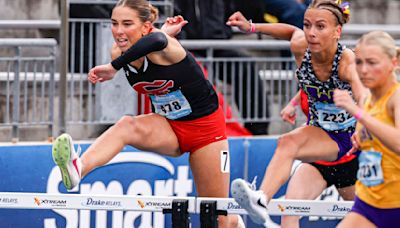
[(254, 202), (68, 161)]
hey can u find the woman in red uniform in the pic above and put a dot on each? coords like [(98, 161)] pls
[(186, 116)]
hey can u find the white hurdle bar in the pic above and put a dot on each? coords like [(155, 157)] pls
[(286, 207), (20, 200)]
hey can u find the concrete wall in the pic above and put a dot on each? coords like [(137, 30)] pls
[(25, 10), (375, 11), (363, 11)]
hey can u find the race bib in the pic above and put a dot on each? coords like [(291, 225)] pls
[(332, 118), (172, 105), (370, 169)]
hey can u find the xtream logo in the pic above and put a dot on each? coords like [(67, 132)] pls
[(154, 204), (52, 202), (179, 184)]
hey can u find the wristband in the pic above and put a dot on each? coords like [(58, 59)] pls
[(294, 103), (252, 27), (359, 114)]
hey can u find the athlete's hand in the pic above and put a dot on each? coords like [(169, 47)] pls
[(173, 25), (288, 114), (343, 100), (237, 19), (101, 73), (355, 141)]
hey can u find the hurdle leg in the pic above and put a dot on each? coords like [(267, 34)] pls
[(209, 214), (180, 214)]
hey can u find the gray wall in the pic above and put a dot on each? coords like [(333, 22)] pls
[(375, 11), (362, 12), (26, 10)]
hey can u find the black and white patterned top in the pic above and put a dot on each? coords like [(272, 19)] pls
[(322, 111)]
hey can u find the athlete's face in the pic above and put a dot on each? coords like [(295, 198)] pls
[(321, 29), (126, 27), (374, 66)]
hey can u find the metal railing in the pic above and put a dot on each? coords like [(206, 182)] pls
[(348, 29), (27, 83), (255, 87)]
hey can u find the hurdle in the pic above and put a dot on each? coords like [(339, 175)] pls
[(179, 207), (210, 208)]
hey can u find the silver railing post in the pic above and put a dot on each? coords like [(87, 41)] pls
[(16, 92), (64, 65)]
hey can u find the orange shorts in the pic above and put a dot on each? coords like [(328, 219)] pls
[(195, 134)]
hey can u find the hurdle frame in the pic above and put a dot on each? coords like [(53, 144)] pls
[(180, 207)]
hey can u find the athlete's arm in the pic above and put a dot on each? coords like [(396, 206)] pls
[(387, 134), (276, 30), (173, 25), (288, 114), (348, 73), (298, 43), (115, 51), (155, 41)]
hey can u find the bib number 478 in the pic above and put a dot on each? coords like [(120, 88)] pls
[(173, 106)]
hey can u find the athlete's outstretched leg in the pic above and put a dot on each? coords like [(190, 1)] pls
[(306, 143), (145, 132)]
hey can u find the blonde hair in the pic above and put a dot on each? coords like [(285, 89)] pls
[(146, 11), (333, 7), (383, 40)]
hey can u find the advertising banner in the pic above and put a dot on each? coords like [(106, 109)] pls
[(30, 168)]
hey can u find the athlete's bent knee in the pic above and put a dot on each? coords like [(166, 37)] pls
[(288, 145), (133, 128)]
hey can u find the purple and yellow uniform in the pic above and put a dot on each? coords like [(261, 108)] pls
[(378, 185), (336, 122)]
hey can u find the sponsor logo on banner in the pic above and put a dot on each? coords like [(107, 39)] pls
[(175, 182), (141, 204), (339, 209), (295, 209), (233, 206), (329, 194), (155, 204), (90, 202), (49, 202), (131, 173), (8, 201)]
